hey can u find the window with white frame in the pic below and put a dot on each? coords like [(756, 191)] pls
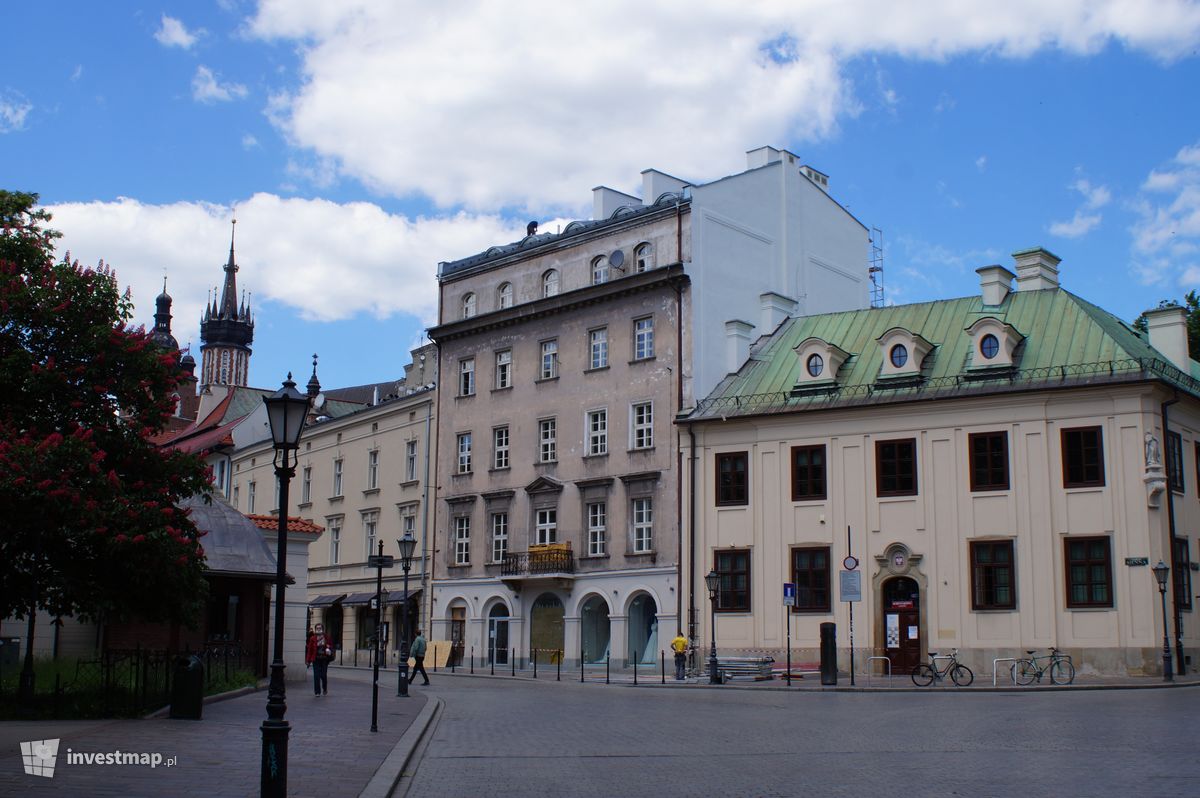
[(598, 348), (464, 452), (500, 447), (499, 536), (462, 540), (466, 377), (549, 368), (306, 485), (373, 469), (597, 514), (504, 295), (236, 491), (642, 426), (468, 306), (370, 522), (504, 369), (599, 270), (408, 522), (643, 338), (410, 461), (550, 283), (547, 526), (597, 426), (337, 477), (335, 539), (643, 525), (547, 440), (643, 258), (251, 489)]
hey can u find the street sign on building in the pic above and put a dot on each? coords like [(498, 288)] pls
[(851, 585), (381, 561), (789, 594)]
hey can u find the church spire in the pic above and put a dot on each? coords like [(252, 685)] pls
[(314, 385), (226, 330), (229, 303)]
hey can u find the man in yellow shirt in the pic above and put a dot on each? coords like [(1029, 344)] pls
[(680, 646)]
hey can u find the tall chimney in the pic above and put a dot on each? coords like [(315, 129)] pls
[(737, 343), (995, 283), (775, 309), (1168, 334), (1037, 268)]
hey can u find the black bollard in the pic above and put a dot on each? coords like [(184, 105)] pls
[(513, 661), (829, 674), (662, 656), (535, 653), (493, 661), (608, 669), (472, 660), (635, 658), (558, 673)]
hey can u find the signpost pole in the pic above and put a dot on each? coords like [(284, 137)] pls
[(789, 601), (850, 556)]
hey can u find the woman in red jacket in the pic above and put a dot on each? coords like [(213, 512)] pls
[(317, 653)]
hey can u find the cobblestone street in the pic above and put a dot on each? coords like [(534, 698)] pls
[(504, 738)]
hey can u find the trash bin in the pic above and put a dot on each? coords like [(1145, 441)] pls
[(829, 672), (187, 688)]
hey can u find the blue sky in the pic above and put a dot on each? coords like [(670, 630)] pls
[(359, 143)]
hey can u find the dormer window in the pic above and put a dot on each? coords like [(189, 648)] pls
[(993, 344), (821, 361), (903, 353)]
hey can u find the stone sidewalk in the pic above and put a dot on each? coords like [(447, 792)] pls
[(331, 752)]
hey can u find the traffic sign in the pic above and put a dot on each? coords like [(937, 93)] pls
[(381, 561), (850, 563), (789, 594)]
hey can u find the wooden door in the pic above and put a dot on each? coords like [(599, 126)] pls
[(902, 623)]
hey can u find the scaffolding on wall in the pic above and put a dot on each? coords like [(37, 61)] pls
[(875, 267)]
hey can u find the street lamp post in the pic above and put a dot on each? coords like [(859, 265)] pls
[(380, 562), (713, 582), (407, 545), (1160, 574), (286, 410)]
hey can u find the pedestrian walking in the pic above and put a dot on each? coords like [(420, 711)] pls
[(680, 646), (317, 654), (418, 654)]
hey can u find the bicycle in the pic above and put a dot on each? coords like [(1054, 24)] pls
[(926, 674), (1059, 666)]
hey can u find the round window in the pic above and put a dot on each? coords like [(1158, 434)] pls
[(989, 347), (899, 355), (815, 364)]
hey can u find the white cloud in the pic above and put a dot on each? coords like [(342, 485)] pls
[(325, 260), (1085, 219), (517, 107), (981, 163), (173, 33), (206, 88), (1166, 235), (77, 73), (249, 141), (14, 108), (1079, 225)]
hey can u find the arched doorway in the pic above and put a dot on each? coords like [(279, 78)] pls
[(901, 598), (643, 629), (594, 629), (546, 628), (498, 635)]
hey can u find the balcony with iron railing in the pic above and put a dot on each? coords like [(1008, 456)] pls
[(548, 561)]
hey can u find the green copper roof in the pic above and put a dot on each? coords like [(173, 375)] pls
[(1066, 341)]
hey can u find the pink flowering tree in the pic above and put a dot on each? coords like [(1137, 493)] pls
[(88, 520)]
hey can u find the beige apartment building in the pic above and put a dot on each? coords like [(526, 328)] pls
[(365, 477), (569, 354), (1005, 468)]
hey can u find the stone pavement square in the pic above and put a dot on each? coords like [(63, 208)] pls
[(331, 750)]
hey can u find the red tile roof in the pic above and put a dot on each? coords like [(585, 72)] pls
[(295, 523)]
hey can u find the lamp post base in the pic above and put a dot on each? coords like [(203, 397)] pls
[(402, 687), (274, 758)]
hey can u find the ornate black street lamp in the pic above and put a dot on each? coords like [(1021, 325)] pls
[(1160, 573), (713, 582), (408, 545), (286, 410)]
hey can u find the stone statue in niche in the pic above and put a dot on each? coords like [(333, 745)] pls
[(1153, 454)]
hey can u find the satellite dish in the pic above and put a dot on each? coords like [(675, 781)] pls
[(319, 401), (617, 258)]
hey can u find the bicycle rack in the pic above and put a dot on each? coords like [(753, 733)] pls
[(1000, 659), (888, 660)]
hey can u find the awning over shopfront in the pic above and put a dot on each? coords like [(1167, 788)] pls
[(325, 601), (356, 599), (360, 599)]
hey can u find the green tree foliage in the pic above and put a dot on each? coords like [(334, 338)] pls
[(1191, 303), (88, 522)]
